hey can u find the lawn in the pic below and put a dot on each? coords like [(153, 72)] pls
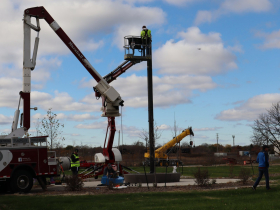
[(218, 199), (215, 171)]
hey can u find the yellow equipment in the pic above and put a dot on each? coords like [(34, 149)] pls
[(160, 153)]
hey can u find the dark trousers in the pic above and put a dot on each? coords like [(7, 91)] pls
[(75, 171), (261, 172), (146, 48)]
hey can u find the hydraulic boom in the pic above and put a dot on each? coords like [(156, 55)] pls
[(112, 99)]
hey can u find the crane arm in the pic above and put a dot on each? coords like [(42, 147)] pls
[(118, 71), (175, 140), (110, 95), (161, 152)]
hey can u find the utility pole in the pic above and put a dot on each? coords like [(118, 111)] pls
[(151, 115), (233, 136), (217, 142)]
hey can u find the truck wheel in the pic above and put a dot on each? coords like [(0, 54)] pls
[(3, 187), (22, 181)]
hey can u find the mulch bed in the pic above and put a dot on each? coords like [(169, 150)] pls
[(128, 190)]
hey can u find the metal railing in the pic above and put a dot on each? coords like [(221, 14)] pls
[(136, 46), (13, 142)]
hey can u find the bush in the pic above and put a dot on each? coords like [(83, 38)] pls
[(244, 175), (213, 181), (74, 183), (231, 167), (202, 177)]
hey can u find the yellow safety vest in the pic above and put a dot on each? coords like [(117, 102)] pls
[(144, 35), (75, 164)]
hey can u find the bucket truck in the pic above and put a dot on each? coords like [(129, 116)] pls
[(20, 159), (160, 154)]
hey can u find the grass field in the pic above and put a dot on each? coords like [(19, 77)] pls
[(209, 199), (215, 172), (218, 199)]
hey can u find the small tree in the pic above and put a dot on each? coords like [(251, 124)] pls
[(51, 127), (144, 135), (201, 177), (266, 128)]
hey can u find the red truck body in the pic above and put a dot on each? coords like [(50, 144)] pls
[(85, 164), (21, 161)]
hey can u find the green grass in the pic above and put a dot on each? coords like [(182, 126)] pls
[(215, 171), (223, 199)]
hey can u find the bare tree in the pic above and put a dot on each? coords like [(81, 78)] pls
[(50, 126), (175, 131), (266, 128), (144, 135), (37, 125)]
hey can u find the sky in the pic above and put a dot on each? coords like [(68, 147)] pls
[(215, 66)]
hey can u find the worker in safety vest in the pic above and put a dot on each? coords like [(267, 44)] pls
[(146, 36), (75, 162)]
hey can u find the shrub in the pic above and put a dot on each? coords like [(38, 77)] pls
[(202, 177), (213, 181), (231, 167), (74, 183), (244, 175)]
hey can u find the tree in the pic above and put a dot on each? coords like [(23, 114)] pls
[(144, 135), (50, 126), (139, 144), (266, 129)]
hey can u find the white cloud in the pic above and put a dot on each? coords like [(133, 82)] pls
[(168, 90), (207, 129), (233, 6), (164, 127), (4, 120), (94, 125), (70, 117), (183, 57), (250, 109), (81, 20), (271, 40), (62, 101), (131, 131), (9, 91), (180, 2)]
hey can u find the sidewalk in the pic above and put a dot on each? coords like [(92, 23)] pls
[(183, 182)]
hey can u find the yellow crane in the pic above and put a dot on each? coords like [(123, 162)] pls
[(160, 153)]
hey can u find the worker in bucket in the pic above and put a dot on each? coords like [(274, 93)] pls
[(262, 159), (146, 36), (110, 172), (75, 162)]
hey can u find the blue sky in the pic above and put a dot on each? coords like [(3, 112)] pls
[(221, 88)]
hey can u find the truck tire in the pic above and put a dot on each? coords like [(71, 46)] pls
[(3, 187), (22, 181)]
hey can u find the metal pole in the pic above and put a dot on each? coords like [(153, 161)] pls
[(151, 114), (146, 176), (217, 143)]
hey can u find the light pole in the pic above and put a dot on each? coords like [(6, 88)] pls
[(233, 136)]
